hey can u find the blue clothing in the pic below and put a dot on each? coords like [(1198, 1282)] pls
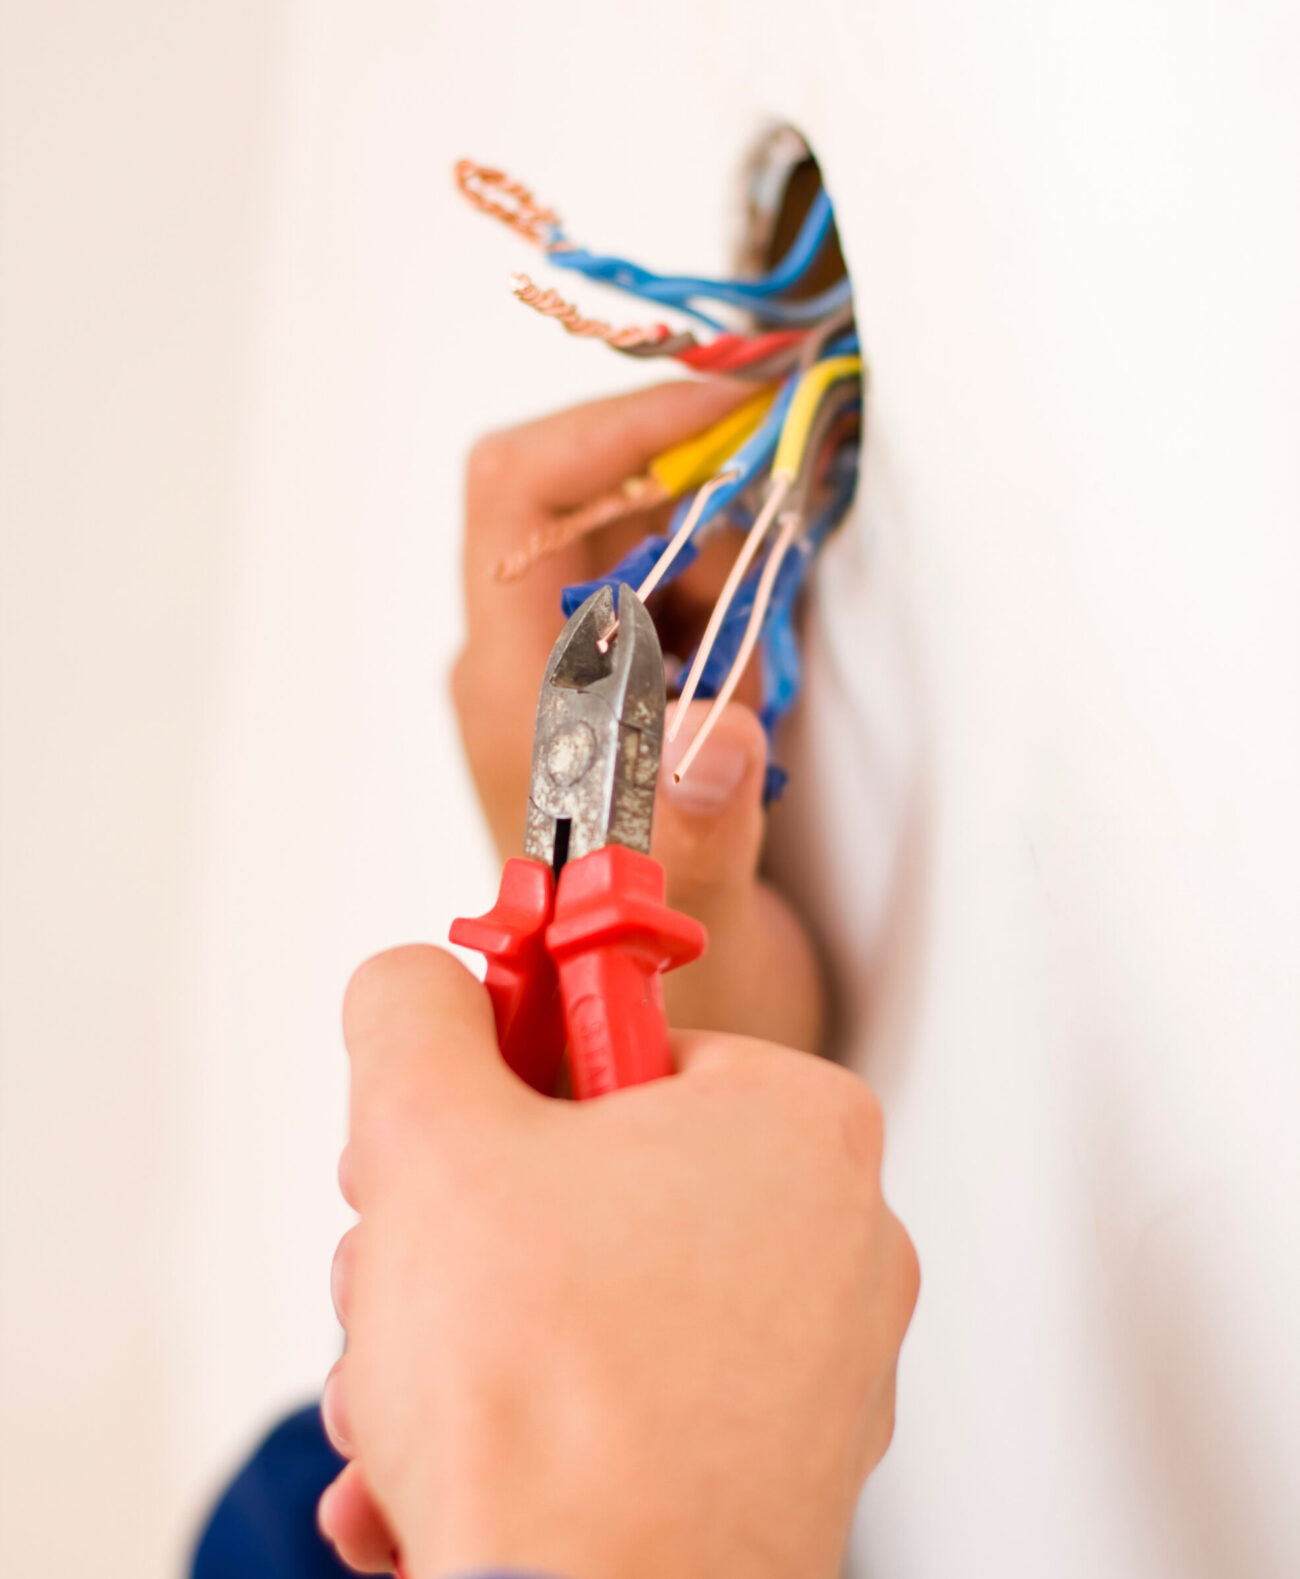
[(264, 1526)]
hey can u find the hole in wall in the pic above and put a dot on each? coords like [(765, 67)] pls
[(781, 179)]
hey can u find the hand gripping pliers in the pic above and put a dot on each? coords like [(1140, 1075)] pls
[(580, 933)]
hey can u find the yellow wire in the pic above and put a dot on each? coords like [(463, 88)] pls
[(803, 411), (693, 462)]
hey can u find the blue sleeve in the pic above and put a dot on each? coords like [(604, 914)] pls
[(264, 1524)]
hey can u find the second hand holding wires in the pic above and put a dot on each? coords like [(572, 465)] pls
[(678, 470), (795, 440)]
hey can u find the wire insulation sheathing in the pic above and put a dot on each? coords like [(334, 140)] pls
[(753, 542), (790, 523)]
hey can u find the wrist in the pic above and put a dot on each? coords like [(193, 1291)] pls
[(511, 1529)]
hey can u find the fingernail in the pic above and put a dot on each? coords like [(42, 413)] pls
[(345, 1178), (714, 777), (333, 1413), (339, 1283)]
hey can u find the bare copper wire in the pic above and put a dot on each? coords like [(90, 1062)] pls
[(552, 305), (637, 493), (494, 192)]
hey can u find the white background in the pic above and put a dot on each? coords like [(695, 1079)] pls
[(248, 331)]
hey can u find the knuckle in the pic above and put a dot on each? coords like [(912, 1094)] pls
[(883, 1420), (907, 1270), (334, 1411), (458, 684), (369, 987), (861, 1121), (392, 997), (342, 1273), (378, 981), (385, 1130), (488, 462)]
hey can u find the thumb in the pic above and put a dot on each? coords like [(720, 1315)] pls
[(423, 1051), (759, 976), (708, 827)]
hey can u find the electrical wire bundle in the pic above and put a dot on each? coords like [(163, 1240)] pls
[(783, 467)]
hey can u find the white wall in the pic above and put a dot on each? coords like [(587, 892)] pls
[(248, 332)]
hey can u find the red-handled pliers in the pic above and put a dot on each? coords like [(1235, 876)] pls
[(580, 932)]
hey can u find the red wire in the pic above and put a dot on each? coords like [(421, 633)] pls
[(731, 351)]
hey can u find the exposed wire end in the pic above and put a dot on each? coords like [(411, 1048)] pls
[(552, 305), (790, 523), (493, 192), (753, 542), (636, 494)]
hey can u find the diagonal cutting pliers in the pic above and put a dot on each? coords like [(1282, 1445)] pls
[(580, 933)]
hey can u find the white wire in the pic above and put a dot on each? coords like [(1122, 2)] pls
[(753, 542), (762, 597)]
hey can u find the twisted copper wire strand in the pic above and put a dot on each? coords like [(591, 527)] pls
[(552, 305), (635, 495), (493, 192)]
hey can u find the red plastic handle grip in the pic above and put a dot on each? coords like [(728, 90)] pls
[(521, 979), (611, 938)]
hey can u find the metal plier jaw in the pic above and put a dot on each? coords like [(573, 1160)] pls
[(600, 727), (580, 933)]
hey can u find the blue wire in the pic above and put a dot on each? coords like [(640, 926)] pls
[(780, 661), (785, 588), (752, 456), (803, 251), (635, 566), (730, 635), (680, 290)]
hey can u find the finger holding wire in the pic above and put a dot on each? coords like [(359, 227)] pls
[(708, 832), (657, 561), (676, 471), (811, 336), (542, 492), (519, 482)]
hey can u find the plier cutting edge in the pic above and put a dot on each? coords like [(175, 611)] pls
[(580, 933)]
